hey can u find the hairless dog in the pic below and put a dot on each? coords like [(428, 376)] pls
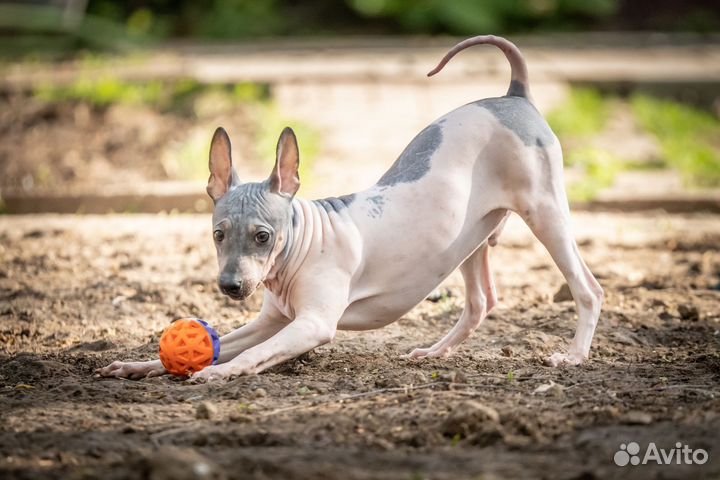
[(363, 260)]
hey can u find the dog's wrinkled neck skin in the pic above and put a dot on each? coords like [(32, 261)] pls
[(302, 230), (312, 233), (277, 273)]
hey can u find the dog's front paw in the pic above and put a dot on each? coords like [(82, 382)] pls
[(132, 370), (215, 373), (562, 359)]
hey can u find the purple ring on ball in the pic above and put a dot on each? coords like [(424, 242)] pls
[(215, 340)]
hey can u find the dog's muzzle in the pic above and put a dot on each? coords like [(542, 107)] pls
[(235, 289)]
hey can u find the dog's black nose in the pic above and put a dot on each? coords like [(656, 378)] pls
[(230, 287)]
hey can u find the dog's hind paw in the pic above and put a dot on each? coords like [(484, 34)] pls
[(562, 359), (416, 354), (420, 353)]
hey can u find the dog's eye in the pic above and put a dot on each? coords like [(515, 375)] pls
[(262, 237), (219, 235)]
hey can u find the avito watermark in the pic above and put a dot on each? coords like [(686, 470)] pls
[(629, 454)]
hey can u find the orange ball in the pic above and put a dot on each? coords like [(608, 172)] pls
[(188, 345)]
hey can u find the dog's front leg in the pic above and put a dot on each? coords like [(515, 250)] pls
[(307, 331), (267, 324), (231, 345), (132, 370), (318, 301)]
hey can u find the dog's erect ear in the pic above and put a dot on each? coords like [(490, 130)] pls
[(222, 176), (284, 178)]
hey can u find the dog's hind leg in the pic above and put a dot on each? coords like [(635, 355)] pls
[(550, 222), (480, 298)]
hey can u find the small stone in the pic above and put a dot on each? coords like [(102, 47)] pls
[(439, 294), (468, 416), (656, 302), (455, 376), (206, 411), (551, 389), (607, 413), (173, 463), (637, 418), (260, 392), (238, 417), (556, 391), (688, 312), (415, 378), (118, 300)]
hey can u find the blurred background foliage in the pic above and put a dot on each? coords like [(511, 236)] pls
[(688, 139), (67, 25), (464, 17), (676, 135), (242, 18)]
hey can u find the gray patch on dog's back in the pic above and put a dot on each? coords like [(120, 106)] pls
[(414, 162), (377, 202), (520, 116), (347, 199), (335, 204), (517, 89)]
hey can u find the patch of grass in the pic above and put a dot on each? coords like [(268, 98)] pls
[(584, 113), (304, 390), (250, 92), (175, 96), (107, 90), (689, 137), (650, 165), (600, 168), (190, 160)]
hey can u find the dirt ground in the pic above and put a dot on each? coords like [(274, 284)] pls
[(79, 292)]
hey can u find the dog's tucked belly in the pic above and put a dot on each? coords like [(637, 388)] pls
[(382, 295)]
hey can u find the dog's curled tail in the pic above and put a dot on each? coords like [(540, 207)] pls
[(519, 86)]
